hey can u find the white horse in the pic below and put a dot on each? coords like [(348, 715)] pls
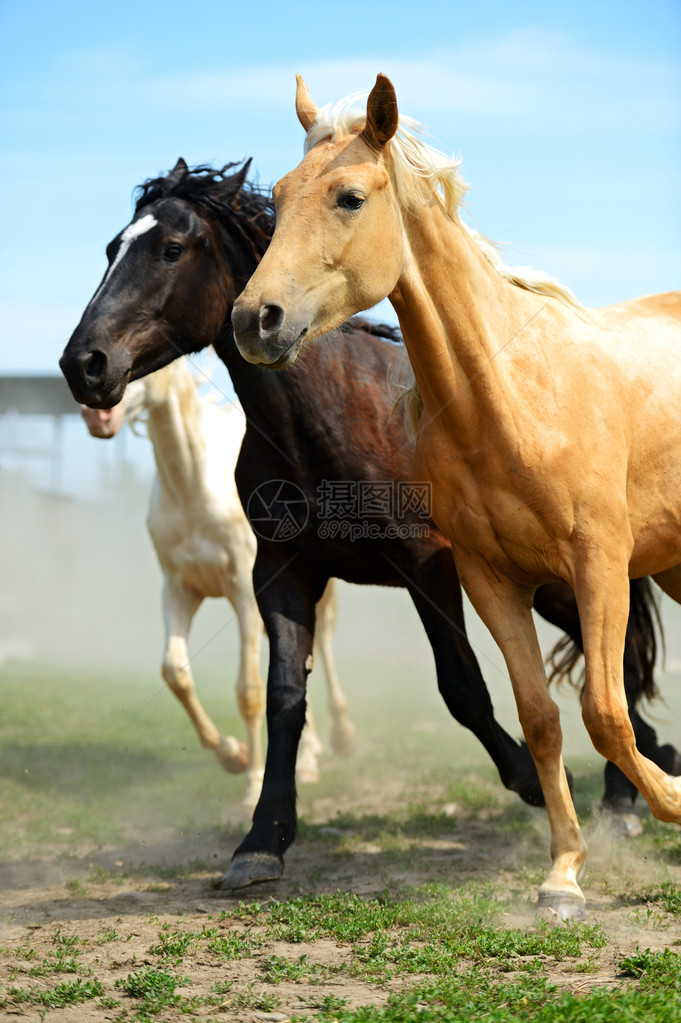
[(206, 548)]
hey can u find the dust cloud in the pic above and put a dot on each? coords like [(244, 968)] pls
[(81, 588)]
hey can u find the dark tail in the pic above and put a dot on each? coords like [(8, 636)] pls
[(645, 625)]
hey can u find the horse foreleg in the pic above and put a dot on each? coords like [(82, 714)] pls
[(436, 592), (602, 592), (343, 734), (180, 604), (505, 608), (287, 605), (250, 690)]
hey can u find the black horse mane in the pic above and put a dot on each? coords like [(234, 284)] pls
[(243, 208)]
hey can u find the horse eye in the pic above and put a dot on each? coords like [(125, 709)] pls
[(351, 201), (172, 252)]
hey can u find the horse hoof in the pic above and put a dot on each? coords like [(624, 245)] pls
[(307, 775), (624, 822), (232, 754), (344, 739), (532, 794), (252, 868), (560, 906), (626, 825)]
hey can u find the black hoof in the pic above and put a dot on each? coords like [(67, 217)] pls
[(531, 794), (252, 868), (561, 905)]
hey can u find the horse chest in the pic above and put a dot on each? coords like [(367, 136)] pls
[(499, 511), (200, 553)]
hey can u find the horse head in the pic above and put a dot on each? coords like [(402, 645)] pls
[(324, 264), (166, 291)]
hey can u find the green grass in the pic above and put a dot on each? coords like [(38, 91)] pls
[(82, 759), (66, 957), (98, 766), (68, 992), (473, 996), (153, 990)]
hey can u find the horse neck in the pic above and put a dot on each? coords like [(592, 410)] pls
[(176, 432), (457, 315), (269, 400), (264, 395)]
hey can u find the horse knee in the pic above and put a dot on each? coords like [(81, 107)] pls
[(251, 701), (542, 729), (177, 677), (610, 730)]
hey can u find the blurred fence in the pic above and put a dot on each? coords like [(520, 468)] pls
[(43, 441)]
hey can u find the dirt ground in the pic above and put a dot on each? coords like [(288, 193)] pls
[(110, 890)]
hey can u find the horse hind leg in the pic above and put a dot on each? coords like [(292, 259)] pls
[(310, 749), (343, 733), (180, 604), (436, 592), (250, 689)]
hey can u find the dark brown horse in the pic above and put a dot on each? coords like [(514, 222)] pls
[(326, 492)]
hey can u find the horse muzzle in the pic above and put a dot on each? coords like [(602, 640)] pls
[(92, 378), (267, 335)]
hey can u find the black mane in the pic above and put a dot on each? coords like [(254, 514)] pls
[(244, 209)]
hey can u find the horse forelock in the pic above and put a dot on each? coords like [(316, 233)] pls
[(422, 172)]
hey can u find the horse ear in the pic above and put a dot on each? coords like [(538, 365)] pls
[(306, 108), (178, 172), (235, 182), (382, 116)]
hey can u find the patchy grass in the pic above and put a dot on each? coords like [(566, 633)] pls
[(409, 896)]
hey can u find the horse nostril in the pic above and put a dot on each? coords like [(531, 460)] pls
[(93, 366), (271, 319)]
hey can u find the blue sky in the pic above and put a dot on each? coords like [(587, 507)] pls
[(568, 120)]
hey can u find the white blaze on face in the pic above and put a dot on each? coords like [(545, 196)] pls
[(132, 231)]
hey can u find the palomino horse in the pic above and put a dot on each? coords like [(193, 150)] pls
[(194, 241), (206, 548), (551, 434)]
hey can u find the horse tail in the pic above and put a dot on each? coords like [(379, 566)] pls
[(644, 619), (645, 608), (562, 661)]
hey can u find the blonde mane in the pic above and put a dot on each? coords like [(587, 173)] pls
[(422, 172)]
